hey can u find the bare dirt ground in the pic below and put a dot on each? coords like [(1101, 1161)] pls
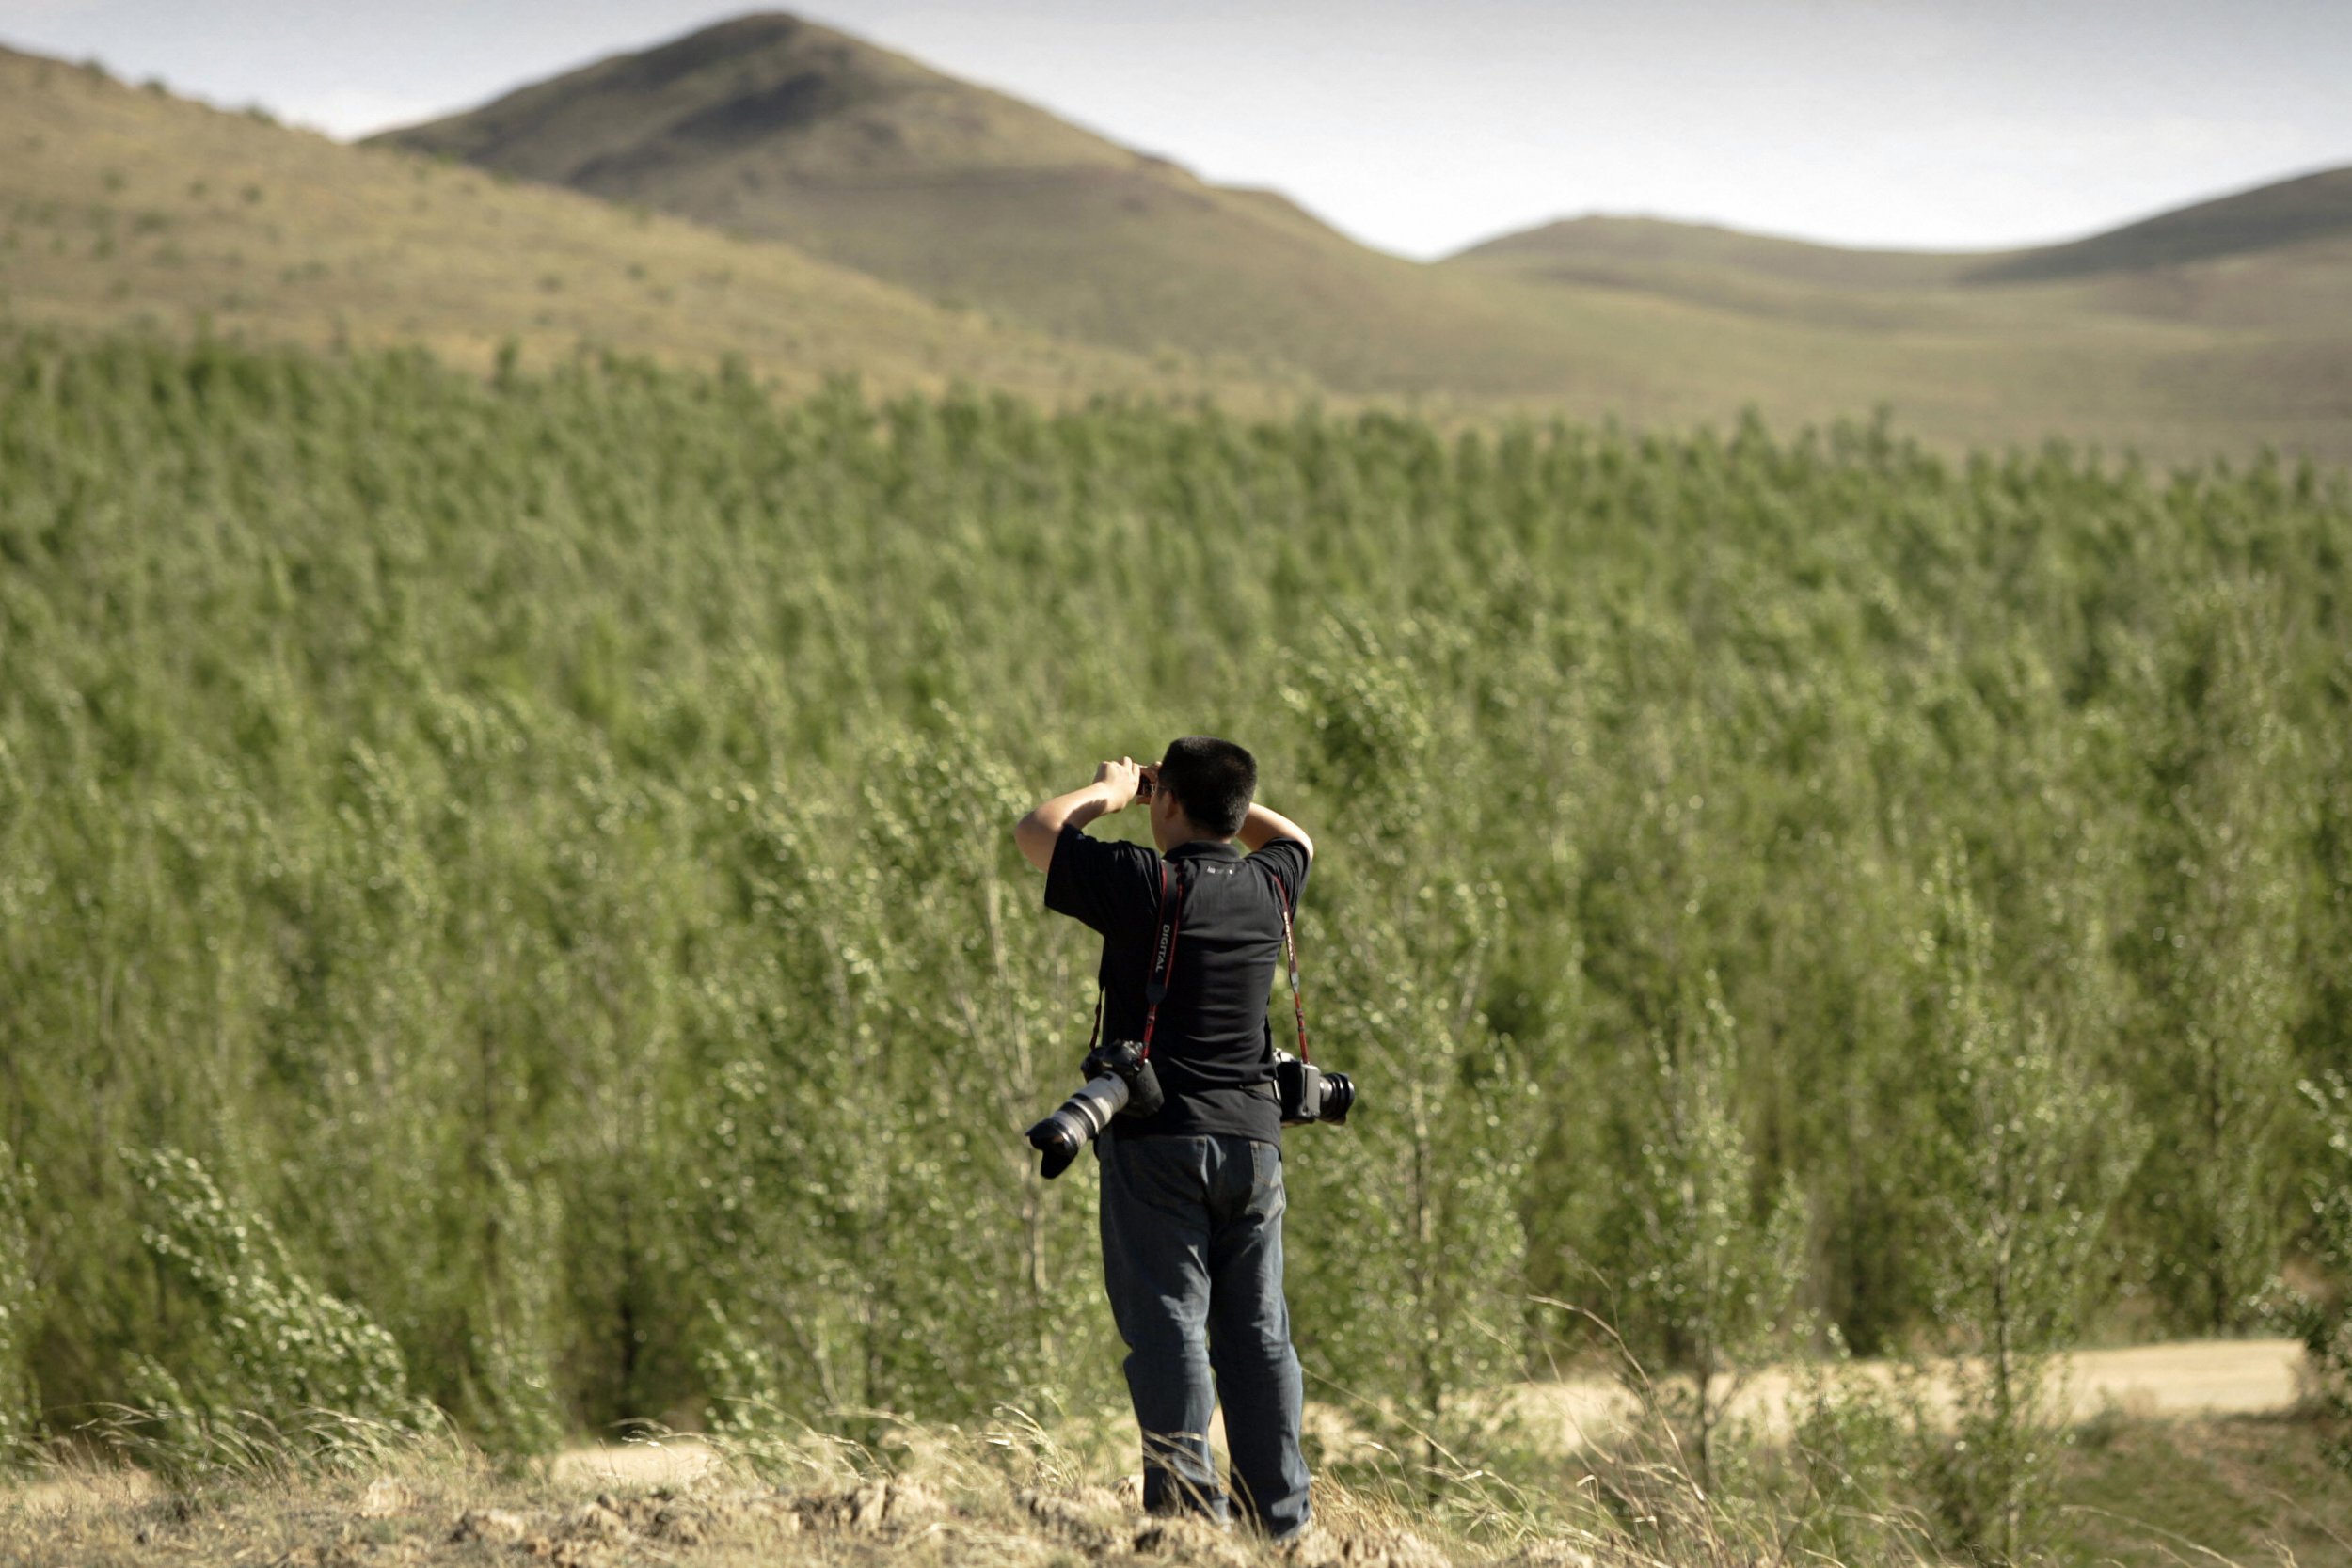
[(2217, 1377), (969, 1503)]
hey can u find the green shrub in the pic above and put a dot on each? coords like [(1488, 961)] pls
[(20, 1313), (263, 1337)]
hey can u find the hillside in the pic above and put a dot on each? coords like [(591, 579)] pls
[(2223, 326), (121, 205), (2277, 258), (2288, 213), (775, 127), (945, 217), (1630, 250)]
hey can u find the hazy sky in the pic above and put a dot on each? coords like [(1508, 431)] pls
[(1425, 127)]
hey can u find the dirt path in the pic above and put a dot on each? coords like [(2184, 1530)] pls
[(2200, 1378), (672, 1461)]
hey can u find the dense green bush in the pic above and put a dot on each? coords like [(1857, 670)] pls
[(261, 1337), (542, 846)]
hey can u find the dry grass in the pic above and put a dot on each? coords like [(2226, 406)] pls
[(1012, 1495), (123, 206), (773, 127), (1008, 1497), (120, 206)]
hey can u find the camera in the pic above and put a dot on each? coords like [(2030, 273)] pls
[(1119, 1079), (1310, 1094)]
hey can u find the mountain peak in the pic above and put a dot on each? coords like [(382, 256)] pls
[(759, 100)]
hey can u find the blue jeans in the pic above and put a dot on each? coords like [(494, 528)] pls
[(1192, 1257)]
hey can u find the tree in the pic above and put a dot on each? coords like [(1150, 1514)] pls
[(2023, 1159), (1412, 1268), (2323, 1318), (20, 1303), (1710, 1271), (2216, 947)]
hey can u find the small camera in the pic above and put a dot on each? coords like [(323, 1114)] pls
[(1310, 1094), (1119, 1079)]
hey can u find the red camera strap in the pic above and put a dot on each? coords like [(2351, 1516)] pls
[(1164, 956), (1290, 950), (1163, 965)]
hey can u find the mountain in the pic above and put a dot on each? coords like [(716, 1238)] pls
[(778, 191), (779, 128), (2226, 321), (775, 127), (122, 205), (2278, 255), (1620, 250), (2289, 213)]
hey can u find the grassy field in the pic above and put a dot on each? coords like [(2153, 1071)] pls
[(2249, 1490), (122, 205)]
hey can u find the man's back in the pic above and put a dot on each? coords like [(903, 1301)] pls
[(1209, 1044)]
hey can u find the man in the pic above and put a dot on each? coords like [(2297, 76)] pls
[(1192, 1195)]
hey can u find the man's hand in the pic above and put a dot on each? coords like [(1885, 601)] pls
[(1113, 787), (1119, 780)]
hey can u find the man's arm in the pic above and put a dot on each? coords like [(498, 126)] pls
[(1262, 827), (1114, 785)]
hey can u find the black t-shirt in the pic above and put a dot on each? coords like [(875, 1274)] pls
[(1211, 1047)]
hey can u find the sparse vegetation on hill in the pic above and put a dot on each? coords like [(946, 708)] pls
[(2291, 212), (773, 126), (1026, 254), (119, 206)]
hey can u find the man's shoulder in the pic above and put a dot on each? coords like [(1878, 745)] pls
[(1103, 856), (1091, 879), (1286, 861)]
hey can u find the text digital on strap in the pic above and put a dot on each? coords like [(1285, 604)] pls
[(1163, 955)]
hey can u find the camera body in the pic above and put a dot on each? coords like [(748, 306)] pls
[(1309, 1094), (1120, 1080)]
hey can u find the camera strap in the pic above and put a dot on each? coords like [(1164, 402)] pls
[(1290, 950), (1163, 953), (1163, 966)]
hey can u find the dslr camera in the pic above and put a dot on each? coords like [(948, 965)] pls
[(1118, 1078), (1310, 1094)]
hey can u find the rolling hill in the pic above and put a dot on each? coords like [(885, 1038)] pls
[(122, 205), (2276, 258), (2281, 216), (779, 191), (778, 128), (2228, 320), (775, 127)]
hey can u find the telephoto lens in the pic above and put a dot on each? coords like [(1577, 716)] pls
[(1079, 1120), (1118, 1078)]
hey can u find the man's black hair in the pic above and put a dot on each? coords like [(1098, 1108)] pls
[(1212, 780)]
